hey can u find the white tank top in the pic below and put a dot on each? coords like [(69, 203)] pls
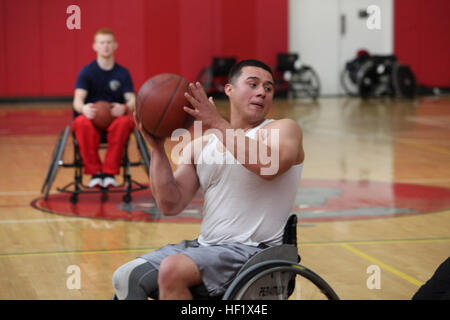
[(239, 206)]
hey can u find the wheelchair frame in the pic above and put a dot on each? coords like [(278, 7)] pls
[(77, 184), (275, 269), (295, 80), (271, 273), (269, 263), (215, 76), (378, 76)]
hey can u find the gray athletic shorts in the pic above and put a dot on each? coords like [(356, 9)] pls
[(218, 264)]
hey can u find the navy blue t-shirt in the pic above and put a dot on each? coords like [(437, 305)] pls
[(106, 85)]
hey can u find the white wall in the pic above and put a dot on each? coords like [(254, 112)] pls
[(315, 33), (313, 26)]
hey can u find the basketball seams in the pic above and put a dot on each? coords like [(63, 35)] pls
[(146, 95), (103, 116), (161, 118), (160, 112)]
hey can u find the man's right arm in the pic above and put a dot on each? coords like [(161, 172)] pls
[(79, 106), (172, 191), (78, 99)]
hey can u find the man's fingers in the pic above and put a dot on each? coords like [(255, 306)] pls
[(197, 91), (193, 101), (197, 97), (191, 111), (211, 100), (201, 90)]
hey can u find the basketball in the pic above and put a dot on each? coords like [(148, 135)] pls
[(160, 105), (103, 116)]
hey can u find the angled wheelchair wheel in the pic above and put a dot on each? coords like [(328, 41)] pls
[(306, 81), (55, 162), (350, 87), (311, 81), (279, 280), (404, 82), (143, 150)]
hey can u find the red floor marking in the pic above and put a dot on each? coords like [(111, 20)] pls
[(317, 200)]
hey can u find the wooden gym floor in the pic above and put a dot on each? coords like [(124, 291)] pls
[(377, 183)]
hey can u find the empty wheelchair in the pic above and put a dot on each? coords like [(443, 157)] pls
[(374, 76), (77, 187), (274, 273), (293, 78), (215, 77)]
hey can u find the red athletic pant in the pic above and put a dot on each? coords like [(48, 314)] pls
[(88, 138)]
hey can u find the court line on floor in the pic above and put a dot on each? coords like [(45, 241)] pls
[(73, 252), (422, 146), (380, 241), (81, 219), (302, 244), (18, 193), (383, 265)]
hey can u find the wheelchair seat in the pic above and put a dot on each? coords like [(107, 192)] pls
[(286, 252), (274, 274)]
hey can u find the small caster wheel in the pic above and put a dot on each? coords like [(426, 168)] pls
[(74, 198), (104, 197), (127, 198)]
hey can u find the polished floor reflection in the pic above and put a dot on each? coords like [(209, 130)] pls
[(375, 192)]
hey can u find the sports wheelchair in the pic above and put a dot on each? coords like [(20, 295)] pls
[(374, 76), (77, 187), (274, 273), (215, 77), (292, 78)]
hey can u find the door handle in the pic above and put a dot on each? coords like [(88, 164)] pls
[(343, 24)]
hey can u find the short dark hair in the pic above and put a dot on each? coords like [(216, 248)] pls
[(236, 70)]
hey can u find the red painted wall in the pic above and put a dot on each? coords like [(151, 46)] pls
[(422, 39), (39, 56)]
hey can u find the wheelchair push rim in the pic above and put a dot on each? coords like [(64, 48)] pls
[(308, 285)]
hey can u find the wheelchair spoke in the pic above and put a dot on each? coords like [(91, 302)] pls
[(279, 280)]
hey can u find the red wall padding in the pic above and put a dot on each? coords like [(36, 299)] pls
[(39, 56), (422, 39)]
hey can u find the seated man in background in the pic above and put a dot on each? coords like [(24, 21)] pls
[(103, 79)]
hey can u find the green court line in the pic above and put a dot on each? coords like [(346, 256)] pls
[(384, 241), (300, 244), (73, 252)]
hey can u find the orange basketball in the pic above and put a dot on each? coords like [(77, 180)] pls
[(103, 117), (160, 105)]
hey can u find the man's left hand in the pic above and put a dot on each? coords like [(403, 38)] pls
[(118, 109)]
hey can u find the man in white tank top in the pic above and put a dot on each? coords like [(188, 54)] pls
[(247, 198)]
